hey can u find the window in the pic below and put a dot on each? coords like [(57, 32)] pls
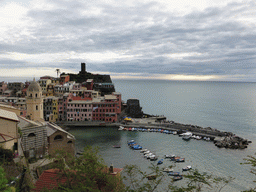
[(58, 138), (31, 135), (36, 107)]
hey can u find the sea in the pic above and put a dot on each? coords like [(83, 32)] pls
[(227, 106)]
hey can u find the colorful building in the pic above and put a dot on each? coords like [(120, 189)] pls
[(79, 110)]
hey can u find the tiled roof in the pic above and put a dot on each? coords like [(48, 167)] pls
[(49, 179)]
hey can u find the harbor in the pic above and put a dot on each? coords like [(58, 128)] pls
[(199, 154), (221, 139)]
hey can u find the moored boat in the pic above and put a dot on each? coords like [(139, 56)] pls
[(177, 178), (151, 177), (186, 168), (117, 146), (180, 160), (174, 158), (167, 169), (174, 173), (153, 158), (186, 137), (160, 162), (169, 156)]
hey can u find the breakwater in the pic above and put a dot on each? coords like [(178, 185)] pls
[(220, 138)]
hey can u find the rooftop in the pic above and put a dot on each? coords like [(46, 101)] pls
[(8, 115)]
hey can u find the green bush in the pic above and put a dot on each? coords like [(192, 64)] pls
[(6, 155)]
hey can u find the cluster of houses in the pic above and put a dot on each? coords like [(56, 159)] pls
[(29, 112), (64, 100)]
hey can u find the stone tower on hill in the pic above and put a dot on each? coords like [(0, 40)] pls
[(34, 101)]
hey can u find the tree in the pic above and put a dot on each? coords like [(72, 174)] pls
[(141, 181), (195, 181), (251, 160), (85, 173), (3, 181)]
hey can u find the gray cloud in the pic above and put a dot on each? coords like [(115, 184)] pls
[(223, 44)]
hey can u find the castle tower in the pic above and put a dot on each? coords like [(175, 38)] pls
[(83, 69), (34, 101)]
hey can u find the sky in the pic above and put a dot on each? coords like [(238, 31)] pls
[(204, 40)]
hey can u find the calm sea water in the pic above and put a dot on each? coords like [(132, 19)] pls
[(222, 105)]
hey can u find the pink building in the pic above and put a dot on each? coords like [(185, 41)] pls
[(79, 110), (119, 102), (62, 106), (105, 109)]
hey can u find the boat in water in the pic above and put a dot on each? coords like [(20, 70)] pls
[(186, 137), (167, 169), (180, 160), (153, 158), (169, 156), (117, 146), (174, 173), (177, 178), (186, 168), (160, 162)]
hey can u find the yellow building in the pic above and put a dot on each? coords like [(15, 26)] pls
[(34, 101), (8, 129), (44, 83)]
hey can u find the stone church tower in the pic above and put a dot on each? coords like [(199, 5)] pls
[(34, 101)]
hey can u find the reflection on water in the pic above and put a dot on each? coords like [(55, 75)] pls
[(200, 154)]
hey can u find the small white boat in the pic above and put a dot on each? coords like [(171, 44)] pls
[(120, 128), (146, 152), (169, 156), (143, 150), (148, 155), (174, 132), (167, 169), (198, 137), (186, 168)]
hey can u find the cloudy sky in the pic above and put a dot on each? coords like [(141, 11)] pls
[(174, 40)]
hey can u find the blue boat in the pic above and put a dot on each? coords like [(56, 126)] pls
[(136, 147), (180, 160), (160, 162)]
